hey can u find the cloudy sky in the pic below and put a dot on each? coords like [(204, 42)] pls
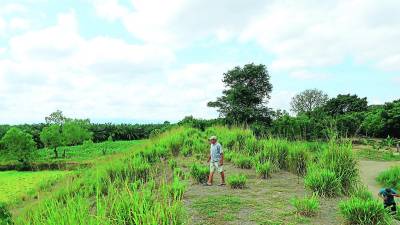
[(156, 60)]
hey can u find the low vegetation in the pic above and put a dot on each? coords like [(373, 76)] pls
[(390, 178), (237, 181), (364, 212), (307, 206), (16, 186), (199, 172)]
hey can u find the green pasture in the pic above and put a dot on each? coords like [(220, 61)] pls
[(16, 185)]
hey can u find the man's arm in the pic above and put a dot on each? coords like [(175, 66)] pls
[(221, 161), (209, 158)]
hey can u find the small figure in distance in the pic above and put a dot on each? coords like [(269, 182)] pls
[(216, 160), (388, 195)]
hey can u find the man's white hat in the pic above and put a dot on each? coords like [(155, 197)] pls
[(213, 138)]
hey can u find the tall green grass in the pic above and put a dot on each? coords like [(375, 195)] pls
[(364, 212), (199, 172), (307, 206), (130, 189), (237, 181), (390, 178), (322, 182)]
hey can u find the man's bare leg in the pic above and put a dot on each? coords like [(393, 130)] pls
[(210, 178), (223, 177)]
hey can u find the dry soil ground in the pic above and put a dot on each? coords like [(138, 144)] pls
[(261, 202)]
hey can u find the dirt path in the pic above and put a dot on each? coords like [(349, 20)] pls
[(369, 170), (261, 202)]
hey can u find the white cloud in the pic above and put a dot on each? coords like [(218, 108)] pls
[(302, 34), (3, 25), (308, 34), (19, 23), (281, 99), (109, 9), (12, 8), (178, 22), (308, 75), (56, 68)]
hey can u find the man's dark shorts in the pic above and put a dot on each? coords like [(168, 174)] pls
[(391, 205)]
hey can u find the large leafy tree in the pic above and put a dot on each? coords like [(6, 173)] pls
[(391, 117), (56, 117), (308, 100), (19, 145), (344, 104), (75, 132), (51, 137), (246, 94)]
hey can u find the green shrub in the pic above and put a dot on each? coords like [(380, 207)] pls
[(244, 162), (307, 206), (339, 158), (362, 192), (264, 169), (5, 215), (275, 151), (172, 163), (237, 181), (390, 178), (229, 155), (298, 158), (364, 212), (322, 182), (199, 172)]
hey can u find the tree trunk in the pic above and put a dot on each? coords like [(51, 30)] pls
[(55, 152), (64, 153)]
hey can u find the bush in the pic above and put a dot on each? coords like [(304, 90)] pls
[(297, 160), (172, 163), (243, 162), (229, 155), (306, 206), (362, 192), (390, 178), (199, 172), (339, 158), (264, 169), (322, 182), (237, 181), (5, 215), (275, 151), (364, 212)]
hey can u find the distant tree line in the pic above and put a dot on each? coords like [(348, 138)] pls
[(79, 130)]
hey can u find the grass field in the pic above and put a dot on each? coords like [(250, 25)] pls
[(154, 182), (366, 152), (15, 186), (81, 153)]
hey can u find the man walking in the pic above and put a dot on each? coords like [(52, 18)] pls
[(216, 160), (388, 194)]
